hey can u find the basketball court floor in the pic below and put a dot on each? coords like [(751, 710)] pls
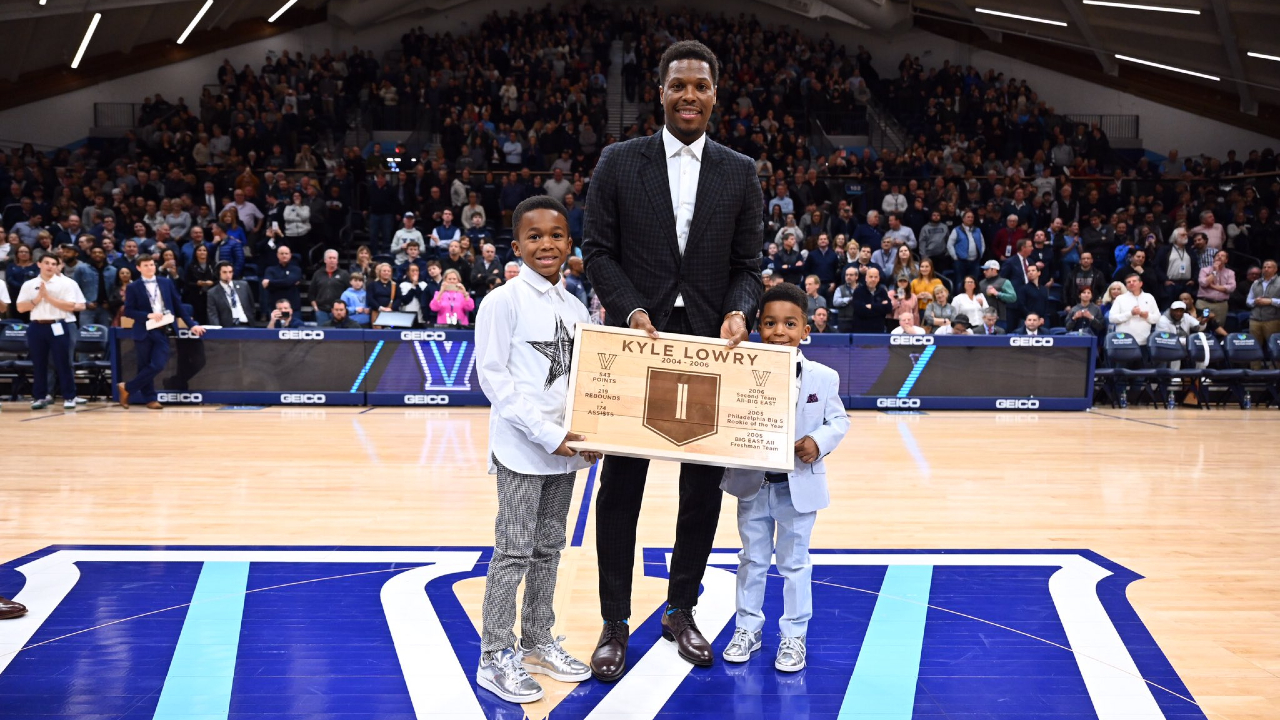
[(329, 563)]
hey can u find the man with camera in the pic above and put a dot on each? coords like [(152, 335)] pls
[(282, 317)]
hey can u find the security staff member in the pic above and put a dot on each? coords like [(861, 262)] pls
[(52, 299)]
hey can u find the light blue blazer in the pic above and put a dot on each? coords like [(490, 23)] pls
[(820, 415)]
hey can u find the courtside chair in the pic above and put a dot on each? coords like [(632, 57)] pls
[(1164, 349), (92, 345)]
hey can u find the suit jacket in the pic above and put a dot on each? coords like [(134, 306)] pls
[(137, 305), (631, 253), (982, 330), (220, 308), (824, 420)]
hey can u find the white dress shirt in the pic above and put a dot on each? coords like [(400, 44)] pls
[(524, 344), (4, 293), (1122, 316), (59, 286), (684, 166), (237, 307), (152, 288)]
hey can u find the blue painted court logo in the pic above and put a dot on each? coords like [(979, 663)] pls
[(219, 632)]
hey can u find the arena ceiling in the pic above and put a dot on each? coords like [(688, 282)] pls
[(1210, 37), (1215, 42)]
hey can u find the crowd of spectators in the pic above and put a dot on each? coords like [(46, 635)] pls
[(1000, 217)]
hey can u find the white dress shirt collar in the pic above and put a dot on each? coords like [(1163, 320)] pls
[(672, 146), (536, 281)]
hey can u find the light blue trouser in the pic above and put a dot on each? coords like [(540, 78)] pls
[(757, 519)]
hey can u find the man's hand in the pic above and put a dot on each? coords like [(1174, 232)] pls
[(198, 330), (640, 321), (807, 450), (275, 316), (992, 291), (734, 329), (155, 317), (564, 450), (264, 282)]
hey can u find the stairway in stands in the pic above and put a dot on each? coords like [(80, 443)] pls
[(622, 114)]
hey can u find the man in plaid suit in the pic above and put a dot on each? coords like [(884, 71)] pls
[(671, 243)]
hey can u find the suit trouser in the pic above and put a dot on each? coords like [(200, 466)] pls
[(528, 535), (757, 519), (41, 342), (153, 355), (55, 373), (622, 481)]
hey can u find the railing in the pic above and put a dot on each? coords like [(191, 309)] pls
[(840, 122), (885, 131), (116, 114), (1115, 126)]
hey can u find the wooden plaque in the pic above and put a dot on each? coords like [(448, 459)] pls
[(683, 398)]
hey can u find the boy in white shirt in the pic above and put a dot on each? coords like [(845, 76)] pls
[(524, 344), (787, 503)]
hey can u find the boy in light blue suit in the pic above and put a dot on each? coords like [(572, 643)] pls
[(787, 502)]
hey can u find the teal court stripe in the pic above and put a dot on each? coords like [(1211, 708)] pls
[(883, 686), (355, 386), (915, 371), (204, 662)]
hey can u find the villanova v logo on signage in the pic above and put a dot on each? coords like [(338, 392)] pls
[(218, 631)]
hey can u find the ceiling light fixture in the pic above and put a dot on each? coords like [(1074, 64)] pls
[(1028, 18), (1260, 56), (84, 44), (195, 20), (280, 12), (1133, 6), (1167, 67)]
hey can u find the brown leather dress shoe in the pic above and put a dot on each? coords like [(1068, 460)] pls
[(678, 626), (610, 658), (10, 609), (124, 396), (154, 405)]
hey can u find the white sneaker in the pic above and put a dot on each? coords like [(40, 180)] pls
[(744, 643), (550, 659), (69, 404), (791, 655), (504, 676)]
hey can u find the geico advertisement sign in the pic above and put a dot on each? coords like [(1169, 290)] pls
[(426, 399), (186, 335), (172, 397), (910, 339), (1017, 404), (895, 402), (421, 335), (301, 335), (302, 399), (1028, 341)]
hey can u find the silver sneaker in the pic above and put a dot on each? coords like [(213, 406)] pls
[(791, 654), (744, 643), (505, 677), (550, 659)]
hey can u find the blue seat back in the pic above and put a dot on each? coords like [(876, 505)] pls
[(1202, 344), (1273, 349), (1166, 348), (1122, 349), (92, 340), (13, 338), (1243, 348)]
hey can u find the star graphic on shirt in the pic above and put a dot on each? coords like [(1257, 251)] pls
[(559, 351)]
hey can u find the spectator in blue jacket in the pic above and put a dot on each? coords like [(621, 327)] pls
[(282, 281), (869, 233), (825, 263), (228, 249), (965, 247)]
